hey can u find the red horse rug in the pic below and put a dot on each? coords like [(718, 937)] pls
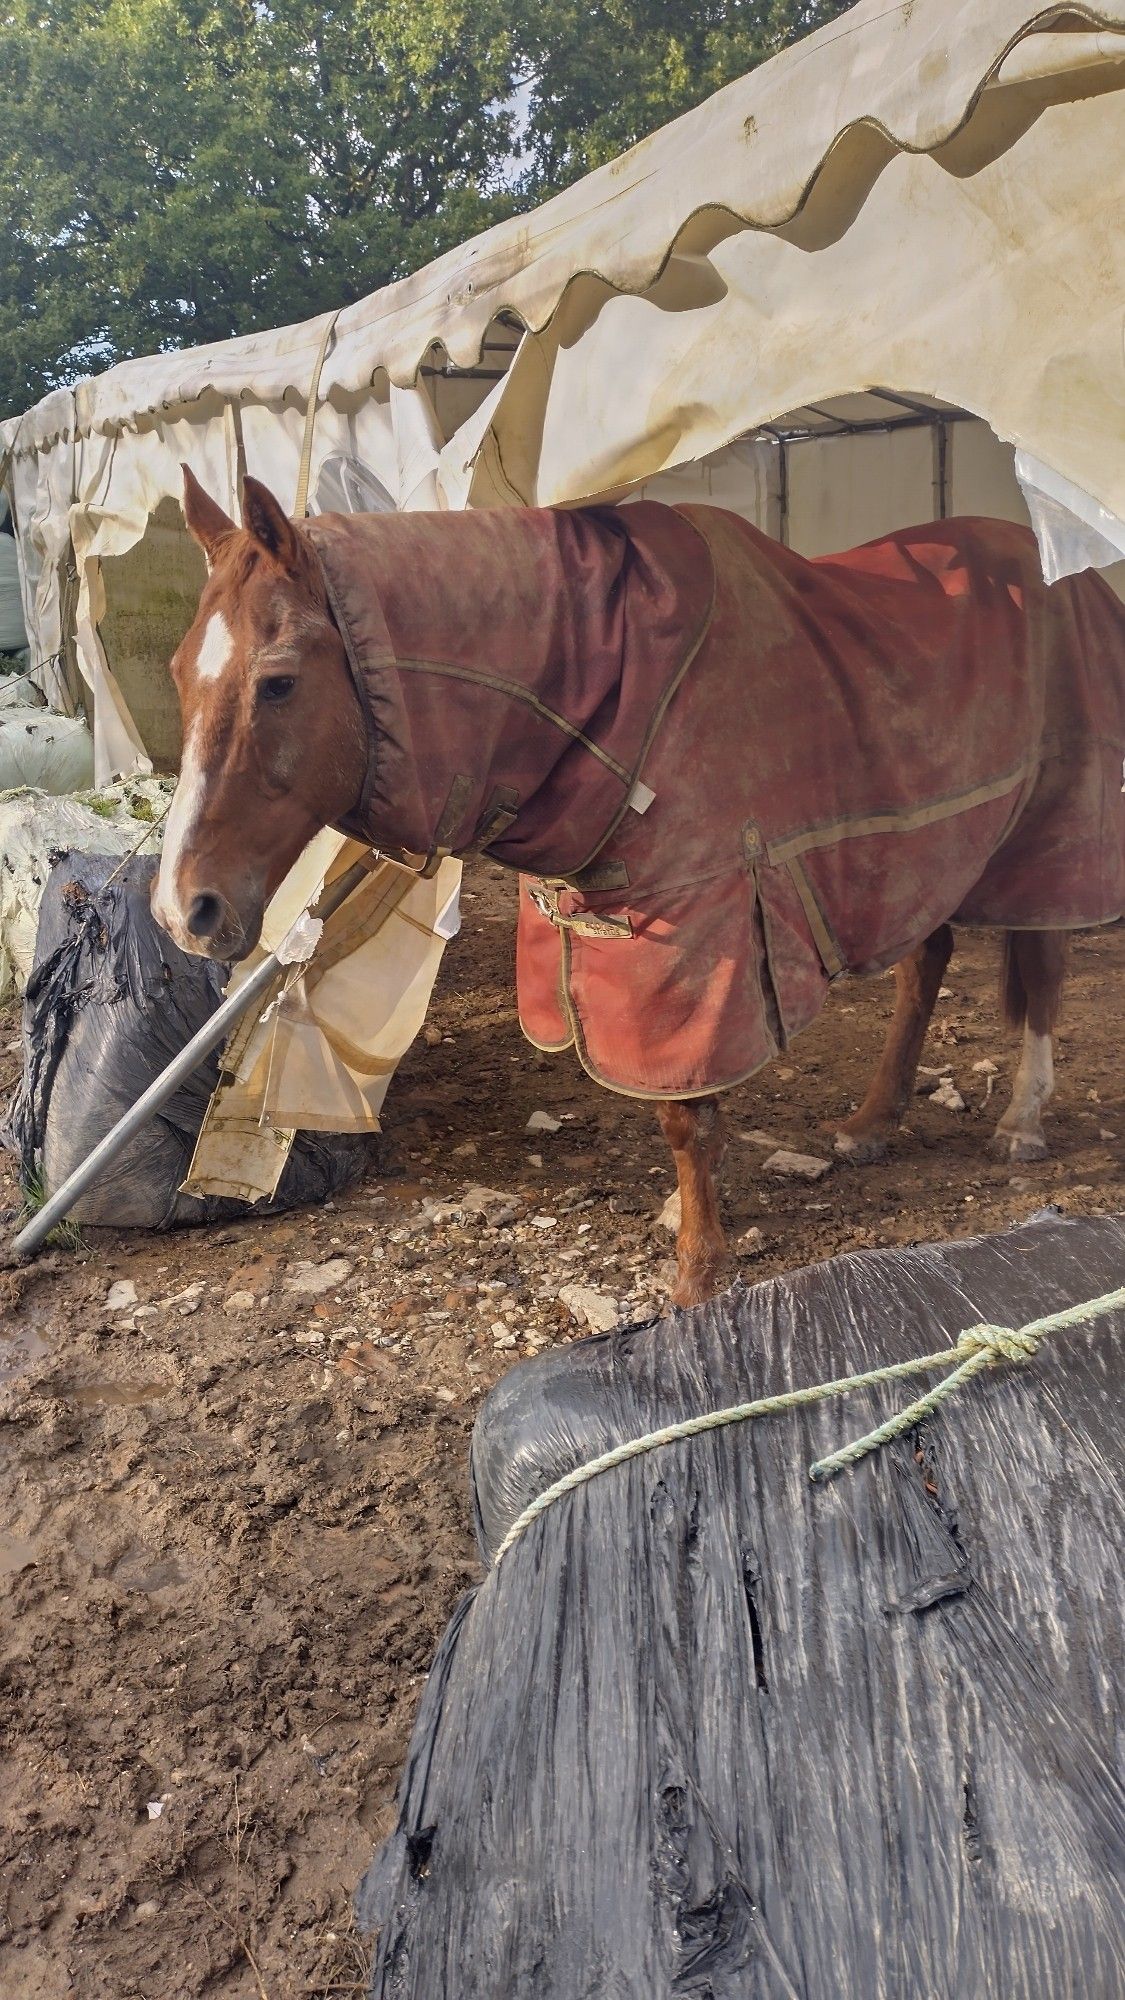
[(727, 773)]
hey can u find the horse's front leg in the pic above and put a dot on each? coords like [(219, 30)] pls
[(864, 1136), (693, 1128)]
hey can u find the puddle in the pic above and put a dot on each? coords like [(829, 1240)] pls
[(139, 1569), (19, 1351), (401, 1193), (23, 1347), (16, 1554), (120, 1395)]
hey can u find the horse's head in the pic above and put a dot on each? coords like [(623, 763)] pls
[(274, 741)]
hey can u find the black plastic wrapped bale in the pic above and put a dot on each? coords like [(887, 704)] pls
[(711, 1729), (111, 999)]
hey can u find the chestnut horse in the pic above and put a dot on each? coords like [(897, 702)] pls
[(277, 745)]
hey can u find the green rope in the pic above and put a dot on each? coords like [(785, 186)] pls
[(979, 1347)]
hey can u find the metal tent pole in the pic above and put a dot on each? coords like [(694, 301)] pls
[(213, 1031)]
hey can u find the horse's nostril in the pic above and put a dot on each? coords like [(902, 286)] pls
[(204, 915)]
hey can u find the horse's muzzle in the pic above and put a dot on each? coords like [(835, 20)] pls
[(215, 928), (209, 926), (204, 916)]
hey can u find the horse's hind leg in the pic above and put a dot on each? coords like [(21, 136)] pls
[(1031, 989), (693, 1128), (918, 979)]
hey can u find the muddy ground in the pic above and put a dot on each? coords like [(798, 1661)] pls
[(233, 1504)]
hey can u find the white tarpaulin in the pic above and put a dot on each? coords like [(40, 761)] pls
[(46, 753), (839, 296)]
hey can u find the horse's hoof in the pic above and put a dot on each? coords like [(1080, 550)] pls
[(1019, 1146), (861, 1149)]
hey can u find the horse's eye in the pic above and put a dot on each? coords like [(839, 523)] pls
[(276, 687)]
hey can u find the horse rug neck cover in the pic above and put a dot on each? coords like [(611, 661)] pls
[(726, 772)]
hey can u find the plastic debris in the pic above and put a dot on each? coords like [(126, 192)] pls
[(108, 1004)]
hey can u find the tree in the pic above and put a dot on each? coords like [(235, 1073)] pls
[(177, 171), (602, 77)]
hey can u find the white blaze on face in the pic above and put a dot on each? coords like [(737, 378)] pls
[(187, 804), (215, 649)]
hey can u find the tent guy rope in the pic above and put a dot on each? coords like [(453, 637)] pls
[(130, 854), (977, 1348)]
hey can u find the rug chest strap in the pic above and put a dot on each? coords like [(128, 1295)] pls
[(545, 896)]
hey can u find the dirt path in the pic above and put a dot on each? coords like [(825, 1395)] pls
[(234, 1512)]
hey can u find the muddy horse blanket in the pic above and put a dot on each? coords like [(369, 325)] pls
[(727, 773)]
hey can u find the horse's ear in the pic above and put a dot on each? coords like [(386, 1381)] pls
[(204, 516), (264, 518)]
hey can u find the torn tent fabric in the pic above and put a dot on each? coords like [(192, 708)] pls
[(734, 772)]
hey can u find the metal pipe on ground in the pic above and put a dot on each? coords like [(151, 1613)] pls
[(35, 1233)]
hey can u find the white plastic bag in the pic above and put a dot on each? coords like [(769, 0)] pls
[(18, 690), (48, 753)]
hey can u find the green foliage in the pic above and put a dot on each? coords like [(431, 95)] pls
[(66, 1235), (176, 171), (606, 75)]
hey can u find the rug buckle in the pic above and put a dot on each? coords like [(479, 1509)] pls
[(545, 897)]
